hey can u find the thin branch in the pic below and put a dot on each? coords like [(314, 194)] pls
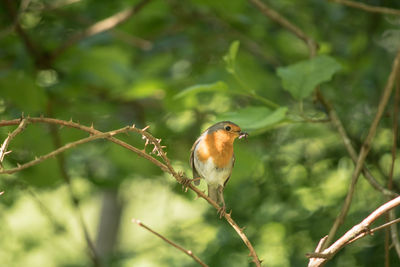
[(167, 167), (357, 230), (368, 8), (275, 16), (365, 148), (99, 27), (64, 148), (187, 252), (4, 146)]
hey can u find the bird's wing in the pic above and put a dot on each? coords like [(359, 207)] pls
[(233, 164), (195, 173)]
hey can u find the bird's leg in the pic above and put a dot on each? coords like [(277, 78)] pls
[(221, 210)]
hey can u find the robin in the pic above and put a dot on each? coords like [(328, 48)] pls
[(212, 158)]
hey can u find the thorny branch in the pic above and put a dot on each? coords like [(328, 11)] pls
[(158, 150), (187, 252), (4, 146), (64, 148)]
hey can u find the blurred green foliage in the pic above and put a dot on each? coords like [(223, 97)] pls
[(179, 67)]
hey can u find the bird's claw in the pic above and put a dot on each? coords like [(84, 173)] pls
[(221, 211)]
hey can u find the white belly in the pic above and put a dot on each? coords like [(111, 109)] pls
[(212, 175)]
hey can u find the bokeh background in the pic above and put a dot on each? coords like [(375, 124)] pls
[(169, 66)]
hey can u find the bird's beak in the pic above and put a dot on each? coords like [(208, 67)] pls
[(243, 135)]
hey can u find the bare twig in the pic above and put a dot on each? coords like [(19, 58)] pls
[(365, 149), (357, 230), (167, 167), (4, 146), (368, 8), (187, 252), (101, 26)]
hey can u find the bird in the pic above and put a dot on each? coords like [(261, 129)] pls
[(212, 158)]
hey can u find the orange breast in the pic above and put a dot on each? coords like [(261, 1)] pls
[(218, 145)]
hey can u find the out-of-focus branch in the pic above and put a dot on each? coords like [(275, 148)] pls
[(275, 16), (368, 8), (365, 148), (187, 252), (158, 150), (354, 233), (36, 54), (4, 146), (98, 27)]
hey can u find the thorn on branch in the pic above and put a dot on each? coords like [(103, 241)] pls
[(138, 222), (145, 128), (2, 192)]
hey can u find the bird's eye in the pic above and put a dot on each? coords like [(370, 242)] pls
[(228, 128)]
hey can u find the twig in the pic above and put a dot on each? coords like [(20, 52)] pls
[(365, 148), (4, 146), (368, 8), (187, 252), (167, 167), (64, 148), (101, 26), (275, 16), (357, 230)]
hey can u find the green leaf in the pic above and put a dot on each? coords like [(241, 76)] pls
[(210, 87), (230, 57), (300, 79), (255, 119)]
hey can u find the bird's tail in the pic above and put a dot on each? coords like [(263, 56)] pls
[(213, 193)]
